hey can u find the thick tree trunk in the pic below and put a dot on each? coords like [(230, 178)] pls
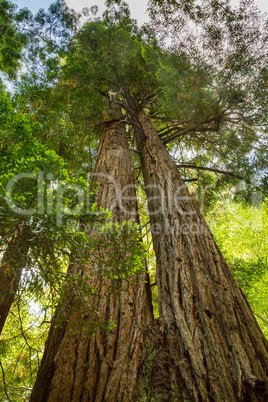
[(76, 367), (13, 261), (206, 344)]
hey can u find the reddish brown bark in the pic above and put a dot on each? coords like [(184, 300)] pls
[(76, 367), (207, 344), (13, 261)]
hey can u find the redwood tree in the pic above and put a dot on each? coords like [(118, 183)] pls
[(207, 337), (104, 365)]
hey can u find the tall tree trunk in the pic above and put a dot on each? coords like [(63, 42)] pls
[(206, 344), (76, 367), (13, 261)]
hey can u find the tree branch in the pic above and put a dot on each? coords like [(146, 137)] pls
[(4, 381), (262, 319), (211, 170), (189, 180), (198, 127)]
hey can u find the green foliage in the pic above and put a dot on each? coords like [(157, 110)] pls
[(110, 250), (49, 34), (241, 231), (12, 40), (112, 56), (218, 103), (22, 152), (21, 347)]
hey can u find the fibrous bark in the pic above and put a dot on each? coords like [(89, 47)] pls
[(76, 367), (206, 344), (13, 261)]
